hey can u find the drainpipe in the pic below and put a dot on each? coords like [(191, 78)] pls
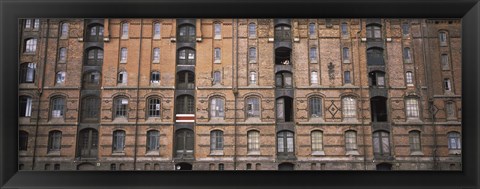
[(235, 92), (361, 97), (40, 92), (138, 98)]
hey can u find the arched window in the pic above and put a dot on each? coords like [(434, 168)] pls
[(252, 30), (282, 33), (375, 56), (94, 56), (317, 141), (95, 33), (25, 106), (374, 31), (62, 54), (118, 143), (253, 141), (120, 107), (30, 45), (155, 77), (156, 55), (124, 30), (217, 107), (252, 55), (156, 30), (91, 109), (54, 141), (27, 72), (216, 141), (315, 107), (122, 77), (153, 140), (349, 108), (381, 143), (185, 80), (285, 142), (186, 33), (252, 107), (22, 141), (123, 55), (217, 28), (411, 106), (414, 139), (454, 142), (186, 56), (153, 107), (185, 104), (350, 140), (57, 106), (60, 79), (64, 30)]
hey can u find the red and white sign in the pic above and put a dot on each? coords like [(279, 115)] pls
[(185, 118)]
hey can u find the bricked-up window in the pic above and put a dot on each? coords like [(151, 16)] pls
[(445, 62), (313, 54), (252, 30), (217, 77), (120, 107), (381, 143), (377, 79), (284, 109), (282, 33), (186, 56), (123, 55), (217, 28), (95, 33), (54, 141), (185, 80), (375, 56), (156, 30), (411, 104), (315, 106), (450, 109), (414, 139), (409, 78), (454, 142), (88, 143), (64, 30), (57, 106), (184, 143), (95, 56), (25, 106), (122, 77), (30, 45), (217, 52), (156, 55), (91, 109), (252, 55), (124, 30), (344, 29), (349, 108), (346, 77), (186, 33), (28, 23), (153, 143), (351, 140), (217, 108), (36, 23), (22, 141), (252, 79), (285, 142), (314, 77), (153, 107), (155, 77), (312, 29), (378, 108), (405, 28), (62, 54), (253, 140), (407, 55), (185, 104), (283, 80), (442, 36), (374, 31), (447, 85), (118, 143), (317, 141), (346, 55), (27, 72), (252, 107), (216, 140), (60, 79)]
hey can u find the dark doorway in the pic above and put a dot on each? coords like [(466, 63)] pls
[(183, 166), (384, 167), (378, 107), (285, 167)]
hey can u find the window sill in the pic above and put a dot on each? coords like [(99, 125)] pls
[(252, 37), (29, 53), (217, 120), (216, 153), (414, 120), (157, 37), (253, 120), (353, 152), (153, 119), (22, 153), (63, 37), (252, 61), (409, 85), (217, 37), (124, 37), (455, 152), (346, 61), (123, 62), (53, 153), (313, 61), (253, 153), (316, 120), (118, 154), (152, 153), (350, 120), (319, 153), (217, 61), (416, 153), (57, 120), (120, 120), (156, 62)]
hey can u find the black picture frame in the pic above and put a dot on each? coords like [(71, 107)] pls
[(11, 11)]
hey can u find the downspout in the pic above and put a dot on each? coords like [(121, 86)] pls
[(361, 97), (235, 91), (138, 98), (40, 92)]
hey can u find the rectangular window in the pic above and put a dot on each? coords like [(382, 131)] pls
[(58, 107), (25, 106), (407, 57), (124, 30), (60, 77), (344, 29), (118, 141), (414, 138), (217, 30), (217, 55), (314, 78), (412, 108), (349, 108), (252, 55), (155, 78), (450, 109), (62, 57), (217, 77), (36, 24), (154, 107), (409, 78), (315, 107), (156, 30), (216, 140), (31, 45), (313, 55), (253, 107), (445, 62), (253, 141), (121, 105), (447, 85), (28, 23), (443, 38), (253, 78), (252, 30), (217, 108), (311, 29), (405, 29), (156, 55), (152, 140), (122, 78), (64, 30), (317, 141), (123, 55), (346, 55), (351, 140), (54, 141), (346, 77)]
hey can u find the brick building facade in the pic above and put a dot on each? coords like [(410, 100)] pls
[(240, 94)]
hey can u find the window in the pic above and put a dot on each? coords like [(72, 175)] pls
[(313, 54), (91, 108), (381, 143), (378, 109), (123, 55), (124, 30), (118, 143), (221, 167), (22, 141), (91, 79), (156, 30), (217, 55), (184, 143), (317, 141), (346, 55), (95, 33), (218, 30), (375, 56), (156, 55), (450, 110), (217, 108), (377, 79), (113, 167), (120, 107), (54, 141), (311, 30), (249, 166), (253, 78), (285, 143), (216, 140), (88, 143), (344, 29), (58, 106), (252, 30), (443, 38), (282, 33), (351, 141), (36, 23), (152, 140), (349, 108), (314, 78), (185, 80), (25, 108), (409, 78), (315, 104), (153, 107), (28, 23), (60, 77), (252, 55), (94, 56), (405, 28), (253, 107), (47, 166), (27, 72), (64, 30), (186, 56), (407, 57), (217, 77), (414, 138), (447, 85), (283, 80), (185, 104), (62, 55), (454, 142), (186, 33), (122, 77), (374, 32), (445, 62), (155, 77), (412, 108), (253, 140), (284, 109), (346, 77), (30, 45)]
